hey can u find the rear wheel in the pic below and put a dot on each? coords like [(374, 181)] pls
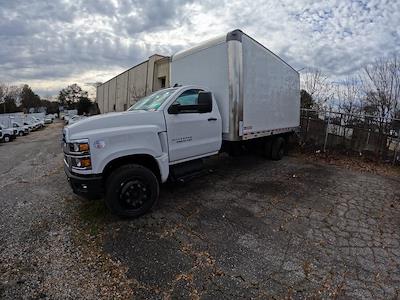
[(20, 133), (7, 138), (131, 190), (267, 148), (278, 148), (235, 149)]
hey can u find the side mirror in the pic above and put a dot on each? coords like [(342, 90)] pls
[(174, 109), (205, 102)]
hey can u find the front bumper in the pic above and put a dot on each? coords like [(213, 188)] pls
[(88, 186)]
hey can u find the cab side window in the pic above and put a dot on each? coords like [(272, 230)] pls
[(188, 97), (188, 101)]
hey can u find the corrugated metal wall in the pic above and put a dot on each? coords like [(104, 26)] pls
[(122, 91), (112, 89), (137, 83), (100, 97), (105, 97)]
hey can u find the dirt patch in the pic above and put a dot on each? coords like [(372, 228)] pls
[(357, 163)]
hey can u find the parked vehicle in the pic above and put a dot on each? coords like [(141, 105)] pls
[(30, 125), (37, 122), (68, 114), (21, 129), (75, 119), (235, 93), (8, 134), (48, 120)]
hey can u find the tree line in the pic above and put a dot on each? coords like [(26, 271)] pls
[(369, 98), (374, 90), (14, 98)]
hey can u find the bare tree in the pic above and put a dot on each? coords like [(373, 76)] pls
[(9, 92), (348, 93), (381, 85), (72, 94), (4, 88), (317, 84)]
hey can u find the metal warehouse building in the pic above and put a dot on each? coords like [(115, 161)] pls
[(120, 92)]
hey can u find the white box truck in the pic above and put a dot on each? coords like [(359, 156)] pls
[(8, 132), (231, 92)]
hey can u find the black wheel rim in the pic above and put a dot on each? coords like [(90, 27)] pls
[(281, 152), (134, 194)]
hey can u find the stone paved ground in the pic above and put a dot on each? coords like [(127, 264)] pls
[(252, 229), (258, 228)]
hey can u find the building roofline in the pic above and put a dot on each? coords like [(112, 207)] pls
[(156, 54), (137, 65)]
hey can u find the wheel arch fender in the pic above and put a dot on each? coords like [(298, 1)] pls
[(156, 165)]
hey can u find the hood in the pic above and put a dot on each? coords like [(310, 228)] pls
[(108, 121)]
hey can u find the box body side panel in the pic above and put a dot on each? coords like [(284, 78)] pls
[(209, 68), (271, 97)]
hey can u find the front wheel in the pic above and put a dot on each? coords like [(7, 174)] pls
[(278, 148), (131, 190), (20, 133), (7, 138)]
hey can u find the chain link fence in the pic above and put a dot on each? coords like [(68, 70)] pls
[(364, 134)]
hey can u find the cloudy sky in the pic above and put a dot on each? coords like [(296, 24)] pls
[(50, 44)]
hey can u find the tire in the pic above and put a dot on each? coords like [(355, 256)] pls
[(267, 148), (278, 148), (20, 133), (235, 149), (127, 180), (6, 138)]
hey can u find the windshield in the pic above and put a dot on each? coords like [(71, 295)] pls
[(153, 101)]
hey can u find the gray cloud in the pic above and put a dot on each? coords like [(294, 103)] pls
[(49, 43)]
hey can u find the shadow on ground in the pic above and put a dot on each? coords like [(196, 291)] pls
[(256, 228)]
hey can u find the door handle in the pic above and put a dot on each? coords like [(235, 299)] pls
[(212, 119)]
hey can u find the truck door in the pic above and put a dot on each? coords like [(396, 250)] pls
[(192, 131)]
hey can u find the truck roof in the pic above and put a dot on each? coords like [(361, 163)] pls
[(231, 35)]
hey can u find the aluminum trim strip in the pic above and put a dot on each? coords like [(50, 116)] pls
[(257, 134), (235, 78)]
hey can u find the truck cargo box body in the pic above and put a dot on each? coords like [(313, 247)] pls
[(258, 94)]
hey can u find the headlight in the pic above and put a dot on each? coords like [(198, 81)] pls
[(82, 163), (77, 154), (81, 147)]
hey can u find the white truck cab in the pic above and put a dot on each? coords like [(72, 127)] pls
[(36, 122), (7, 134), (234, 102), (21, 129), (30, 125)]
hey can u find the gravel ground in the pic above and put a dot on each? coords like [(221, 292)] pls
[(251, 229), (44, 250)]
